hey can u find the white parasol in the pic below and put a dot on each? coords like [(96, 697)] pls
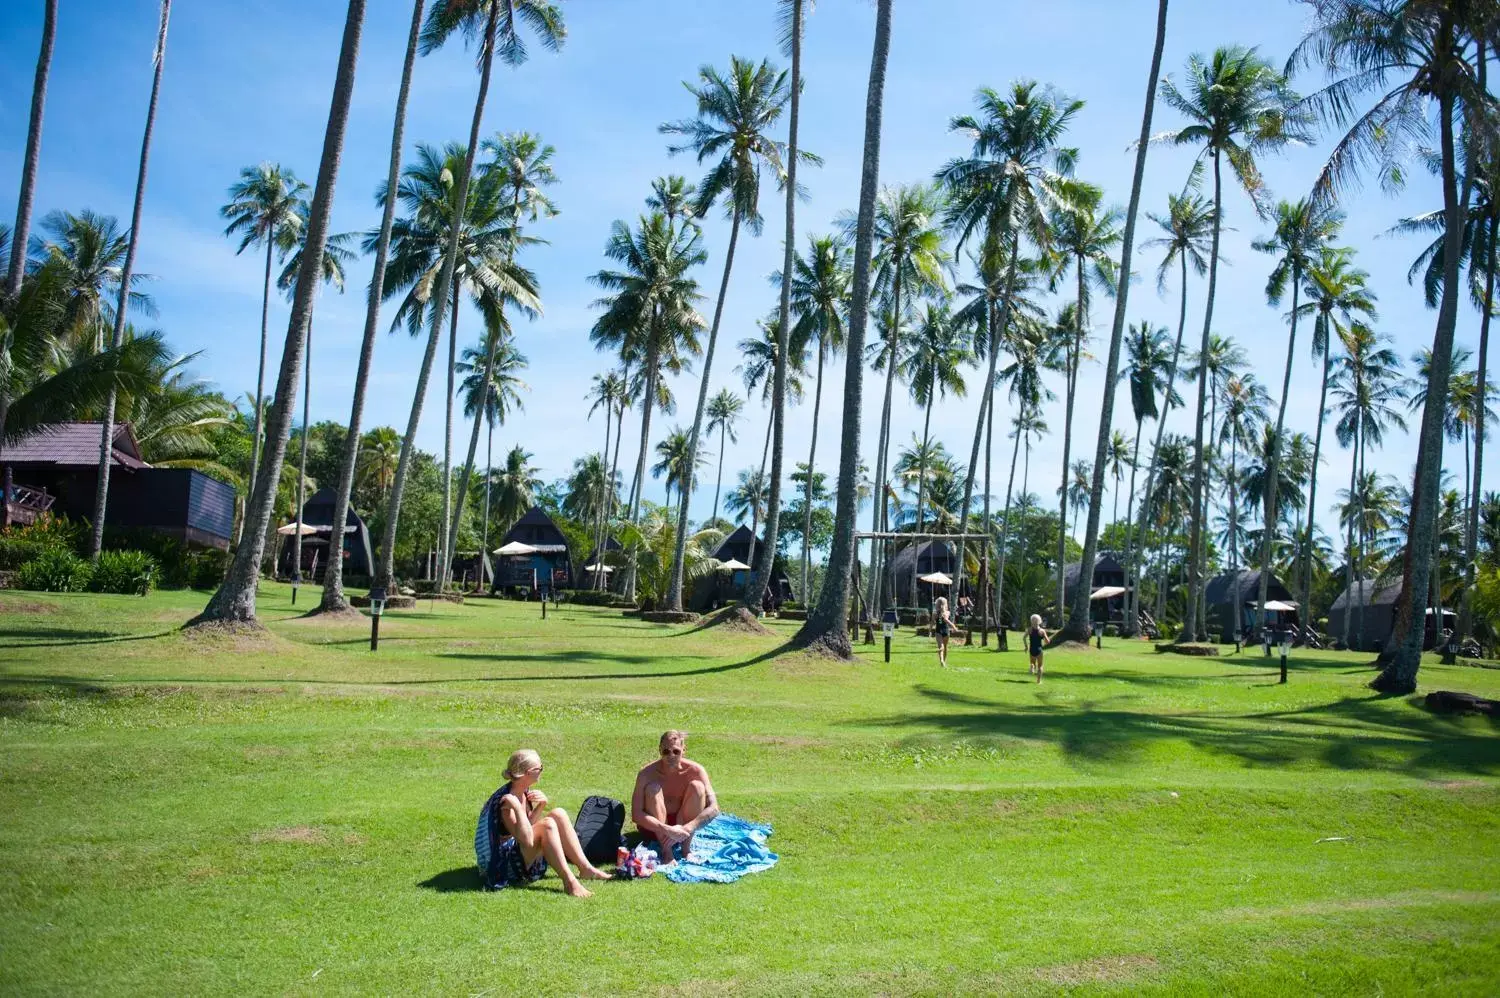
[(515, 547), (734, 565), (936, 578)]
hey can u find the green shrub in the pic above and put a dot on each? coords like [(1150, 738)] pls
[(592, 597), (55, 570), (128, 572), (17, 551), (205, 569)]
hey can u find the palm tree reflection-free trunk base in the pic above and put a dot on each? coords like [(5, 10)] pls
[(234, 603), (824, 630)]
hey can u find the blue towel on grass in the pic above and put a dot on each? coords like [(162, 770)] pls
[(724, 850)]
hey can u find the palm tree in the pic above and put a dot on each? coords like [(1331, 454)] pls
[(759, 369), (1482, 229), (1117, 333), (909, 260), (825, 624), (1077, 493), (724, 412), (931, 364), (379, 450), (1224, 361), (1437, 53), (590, 490), (678, 463), (91, 250), (1245, 404), (523, 164), (735, 114), (1162, 507), (127, 278), (234, 603), (492, 399), (265, 209), (749, 496), (516, 486), (22, 230), (1084, 236), (613, 393), (498, 24), (1338, 300), (790, 14), (485, 266), (1151, 370), (333, 577), (1302, 230), (820, 298), (1366, 389), (336, 253), (1236, 106), (1189, 227), (1119, 458), (650, 316), (1001, 192)]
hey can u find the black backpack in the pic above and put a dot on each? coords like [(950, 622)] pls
[(600, 825)]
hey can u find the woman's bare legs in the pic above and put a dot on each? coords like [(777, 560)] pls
[(943, 651), (547, 841), (572, 848)]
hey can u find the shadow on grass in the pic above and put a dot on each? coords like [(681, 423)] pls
[(459, 880), (1355, 733), (67, 636)]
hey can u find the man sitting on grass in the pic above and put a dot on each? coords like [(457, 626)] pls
[(673, 798)]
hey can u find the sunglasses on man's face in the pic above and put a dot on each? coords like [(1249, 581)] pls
[(671, 751)]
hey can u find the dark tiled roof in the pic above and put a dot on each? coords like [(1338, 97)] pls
[(72, 445)]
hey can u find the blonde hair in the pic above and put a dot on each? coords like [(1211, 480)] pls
[(671, 736), (520, 761), (1036, 620), (942, 602)]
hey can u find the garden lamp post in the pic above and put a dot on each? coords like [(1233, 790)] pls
[(377, 604), (1265, 639), (1284, 642), (888, 628), (1098, 628), (296, 581)]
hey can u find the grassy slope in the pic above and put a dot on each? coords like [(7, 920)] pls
[(291, 814)]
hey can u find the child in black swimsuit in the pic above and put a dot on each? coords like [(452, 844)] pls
[(942, 625), (1036, 637)]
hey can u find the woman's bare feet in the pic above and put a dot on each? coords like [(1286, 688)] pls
[(577, 890), (594, 873)]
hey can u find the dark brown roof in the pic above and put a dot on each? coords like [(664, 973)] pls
[(73, 445)]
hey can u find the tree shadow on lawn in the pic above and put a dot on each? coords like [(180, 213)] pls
[(71, 636), (1363, 733)]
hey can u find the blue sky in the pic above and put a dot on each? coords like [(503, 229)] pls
[(249, 81)]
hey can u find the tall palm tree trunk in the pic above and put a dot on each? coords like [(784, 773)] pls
[(1234, 511), (880, 515), (685, 489), (439, 300), (987, 550), (718, 478), (614, 473), (260, 372), (916, 566), (34, 155), (1349, 568), (1274, 464), (235, 600), (1305, 609), (1400, 674), (1025, 488), (1132, 583), (489, 475), (638, 482), (1471, 533), (1117, 334), (1069, 394), (755, 506), (333, 535), (467, 475), (1364, 532), (333, 576), (812, 452), (1000, 643), (445, 550), (825, 625), (127, 270), (765, 563), (1195, 530)]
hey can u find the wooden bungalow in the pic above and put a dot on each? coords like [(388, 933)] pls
[(1232, 599), (1372, 607), (545, 568), (56, 470), (473, 569), (1109, 573), (317, 513), (917, 560), (724, 587)]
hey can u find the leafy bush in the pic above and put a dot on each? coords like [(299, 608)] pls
[(178, 565), (55, 570), (128, 572), (17, 551), (51, 532), (205, 569)]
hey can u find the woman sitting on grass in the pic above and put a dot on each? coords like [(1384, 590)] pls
[(527, 838)]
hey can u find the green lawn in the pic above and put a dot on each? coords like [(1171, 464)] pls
[(291, 814)]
